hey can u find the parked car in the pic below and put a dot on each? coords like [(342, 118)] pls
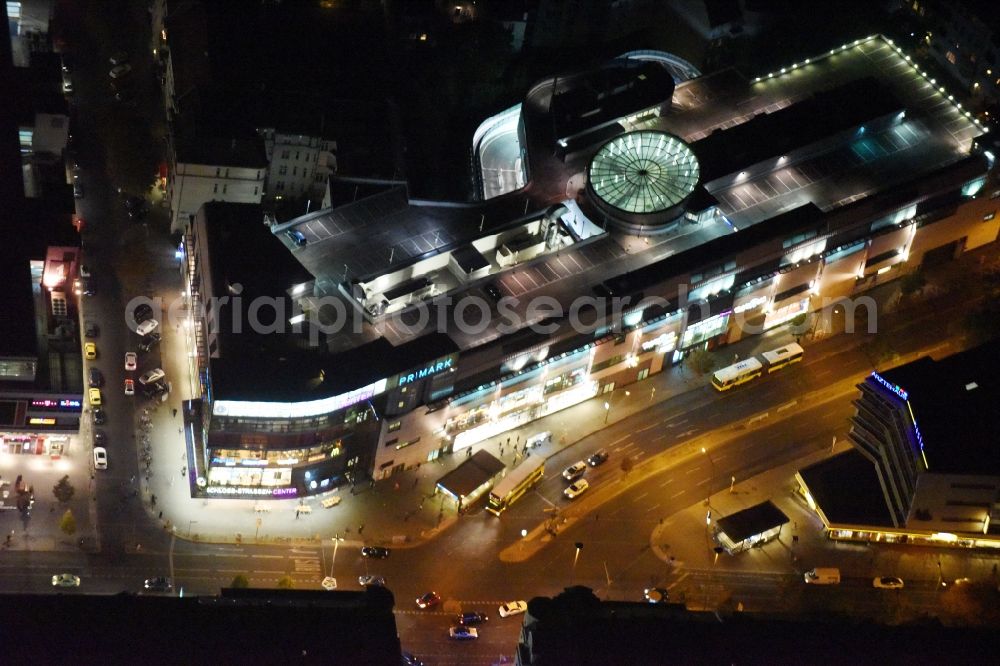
[(129, 387), (130, 361), (100, 418), (152, 376), (656, 595), (375, 552), (100, 438), (575, 471), (100, 457), (463, 633), (576, 489), (85, 271), (296, 237), (65, 580), (91, 330), (888, 583), (513, 608), (537, 440), (429, 599), (142, 312), (120, 71), (148, 342), (94, 395), (118, 58), (493, 291), (598, 458), (469, 619), (94, 377), (147, 327), (371, 580), (77, 189), (158, 584), (89, 351)]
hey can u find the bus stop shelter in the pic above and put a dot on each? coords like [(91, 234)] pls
[(467, 482), (750, 527)]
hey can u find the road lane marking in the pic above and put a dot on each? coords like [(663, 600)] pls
[(693, 470), (687, 433), (655, 506), (639, 497), (544, 498), (788, 405), (664, 484), (620, 439), (676, 495), (701, 483), (270, 557), (670, 423)]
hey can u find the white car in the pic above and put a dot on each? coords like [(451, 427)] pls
[(329, 583), (120, 71), (576, 489), (513, 608), (65, 580), (100, 457), (575, 471), (147, 327), (130, 361), (153, 376), (888, 583)]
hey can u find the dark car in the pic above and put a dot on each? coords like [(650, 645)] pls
[(469, 619), (296, 237), (411, 660), (100, 438), (598, 458), (96, 379), (148, 342), (99, 416), (428, 600), (136, 206), (375, 552), (142, 312), (493, 292), (91, 330), (158, 584)]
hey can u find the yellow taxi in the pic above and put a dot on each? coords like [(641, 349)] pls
[(89, 351), (95, 397)]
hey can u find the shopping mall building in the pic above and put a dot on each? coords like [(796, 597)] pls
[(625, 217)]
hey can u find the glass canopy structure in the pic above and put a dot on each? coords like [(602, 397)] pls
[(641, 177)]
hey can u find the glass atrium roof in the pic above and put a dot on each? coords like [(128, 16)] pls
[(644, 172)]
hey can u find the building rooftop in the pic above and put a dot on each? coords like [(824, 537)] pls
[(863, 505), (752, 521), (234, 152), (474, 472), (954, 402)]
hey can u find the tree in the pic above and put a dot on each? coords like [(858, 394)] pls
[(64, 490), (627, 464), (701, 361), (879, 349), (912, 283), (241, 581), (983, 323), (286, 583), (68, 523)]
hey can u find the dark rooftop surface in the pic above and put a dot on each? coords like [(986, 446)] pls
[(955, 400), (752, 521), (243, 152), (471, 474), (847, 490), (243, 627), (576, 628)]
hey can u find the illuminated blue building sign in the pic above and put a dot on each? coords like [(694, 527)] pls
[(889, 385), (428, 371)]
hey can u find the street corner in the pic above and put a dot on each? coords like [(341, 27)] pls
[(530, 545)]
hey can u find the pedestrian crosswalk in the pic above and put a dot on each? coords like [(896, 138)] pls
[(306, 565)]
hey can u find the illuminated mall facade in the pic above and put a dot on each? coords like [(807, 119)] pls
[(710, 221)]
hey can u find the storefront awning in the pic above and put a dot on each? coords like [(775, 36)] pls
[(753, 521), (470, 475)]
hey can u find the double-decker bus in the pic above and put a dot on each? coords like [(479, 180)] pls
[(518, 481), (753, 367)]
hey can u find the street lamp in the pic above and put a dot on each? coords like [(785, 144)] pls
[(336, 545), (607, 411), (712, 480)]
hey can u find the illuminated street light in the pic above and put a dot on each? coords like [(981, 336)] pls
[(607, 412)]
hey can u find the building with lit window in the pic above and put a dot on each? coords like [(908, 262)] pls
[(925, 458), (629, 229)]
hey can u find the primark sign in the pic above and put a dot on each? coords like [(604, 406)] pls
[(429, 370)]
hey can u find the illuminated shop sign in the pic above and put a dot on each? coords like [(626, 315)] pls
[(57, 404), (663, 343), (248, 490), (41, 421), (292, 410), (889, 385), (751, 304), (429, 371)]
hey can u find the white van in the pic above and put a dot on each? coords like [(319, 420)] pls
[(147, 327), (823, 576), (538, 439)]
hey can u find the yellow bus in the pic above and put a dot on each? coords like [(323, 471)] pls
[(518, 481)]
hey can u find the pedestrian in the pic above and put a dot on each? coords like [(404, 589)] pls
[(361, 528), (296, 514), (161, 515), (152, 499), (415, 482), (395, 486), (175, 411), (508, 440)]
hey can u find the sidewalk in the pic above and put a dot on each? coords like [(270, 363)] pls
[(403, 510)]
